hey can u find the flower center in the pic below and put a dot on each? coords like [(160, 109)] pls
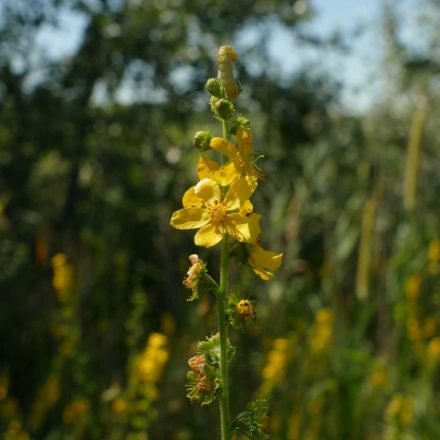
[(217, 213)]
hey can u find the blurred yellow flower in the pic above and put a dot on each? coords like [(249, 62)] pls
[(59, 260), (324, 316), (157, 340), (414, 331), (379, 377), (150, 363), (322, 331), (413, 285), (434, 251), (400, 410), (204, 207), (433, 350), (119, 405), (274, 370), (62, 277), (430, 326)]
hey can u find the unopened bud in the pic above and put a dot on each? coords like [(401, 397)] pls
[(224, 109), (239, 121), (202, 139), (213, 86)]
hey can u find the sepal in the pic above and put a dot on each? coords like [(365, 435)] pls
[(239, 121), (241, 312), (210, 348)]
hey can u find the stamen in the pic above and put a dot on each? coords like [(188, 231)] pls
[(217, 213)]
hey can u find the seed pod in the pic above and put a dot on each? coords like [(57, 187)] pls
[(245, 310)]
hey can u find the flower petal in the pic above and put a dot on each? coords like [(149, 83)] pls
[(264, 274), (263, 262), (247, 208), (241, 228), (239, 193), (189, 218), (208, 236), (207, 168), (224, 147), (208, 191), (191, 200), (254, 228), (244, 143), (228, 173)]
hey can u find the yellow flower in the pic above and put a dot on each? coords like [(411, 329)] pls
[(433, 350), (263, 262), (204, 207), (157, 340), (434, 251), (222, 174), (241, 155), (413, 286)]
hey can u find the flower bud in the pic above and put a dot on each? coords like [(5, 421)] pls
[(202, 139), (213, 86), (237, 122), (223, 109)]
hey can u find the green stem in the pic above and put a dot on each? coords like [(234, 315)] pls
[(223, 332), (222, 294)]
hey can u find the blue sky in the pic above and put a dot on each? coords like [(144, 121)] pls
[(356, 70)]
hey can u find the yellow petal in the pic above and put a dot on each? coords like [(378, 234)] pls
[(228, 173), (263, 262), (265, 275), (208, 236), (247, 208), (207, 168), (224, 147), (239, 193), (244, 143), (189, 218), (241, 228), (191, 200), (208, 191), (254, 228)]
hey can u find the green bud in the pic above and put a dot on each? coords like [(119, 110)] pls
[(239, 121), (213, 86), (202, 140), (224, 109)]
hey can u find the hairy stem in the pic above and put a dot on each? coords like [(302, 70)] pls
[(223, 332), (223, 326)]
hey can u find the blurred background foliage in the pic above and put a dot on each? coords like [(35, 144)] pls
[(95, 151)]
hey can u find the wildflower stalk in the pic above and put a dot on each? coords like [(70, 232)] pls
[(222, 324), (219, 207)]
